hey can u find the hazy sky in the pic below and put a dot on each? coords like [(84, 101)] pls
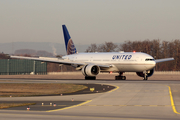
[(89, 21)]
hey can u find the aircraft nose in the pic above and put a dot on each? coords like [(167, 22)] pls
[(154, 63), (150, 65)]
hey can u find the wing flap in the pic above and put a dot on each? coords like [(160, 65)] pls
[(104, 66)]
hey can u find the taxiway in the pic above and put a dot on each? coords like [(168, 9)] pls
[(130, 100)]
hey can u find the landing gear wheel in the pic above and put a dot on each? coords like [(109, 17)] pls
[(120, 77), (123, 77), (90, 78)]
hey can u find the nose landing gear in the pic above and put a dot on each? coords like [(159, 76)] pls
[(145, 75)]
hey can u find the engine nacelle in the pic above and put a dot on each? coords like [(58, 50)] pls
[(149, 73), (90, 70)]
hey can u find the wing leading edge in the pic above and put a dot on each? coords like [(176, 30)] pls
[(61, 61), (52, 60)]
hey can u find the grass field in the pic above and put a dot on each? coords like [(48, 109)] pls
[(9, 105), (35, 89)]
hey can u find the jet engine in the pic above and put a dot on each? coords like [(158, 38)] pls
[(90, 70), (149, 73)]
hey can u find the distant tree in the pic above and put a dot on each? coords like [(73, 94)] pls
[(107, 47), (4, 56), (175, 51), (92, 48)]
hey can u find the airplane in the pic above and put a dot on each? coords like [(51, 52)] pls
[(91, 64)]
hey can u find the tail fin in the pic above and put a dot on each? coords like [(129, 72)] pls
[(70, 47)]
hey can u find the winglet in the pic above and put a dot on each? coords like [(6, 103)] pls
[(70, 47)]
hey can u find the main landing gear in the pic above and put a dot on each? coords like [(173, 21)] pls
[(90, 78), (120, 77)]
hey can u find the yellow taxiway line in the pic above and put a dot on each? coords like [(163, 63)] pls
[(172, 101), (70, 106), (81, 104)]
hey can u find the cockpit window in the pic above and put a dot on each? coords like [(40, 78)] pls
[(148, 59)]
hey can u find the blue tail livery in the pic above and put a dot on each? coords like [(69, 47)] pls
[(70, 47)]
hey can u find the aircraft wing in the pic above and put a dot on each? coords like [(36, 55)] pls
[(61, 61), (163, 60), (52, 60), (101, 65)]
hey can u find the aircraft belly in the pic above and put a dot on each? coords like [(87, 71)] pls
[(131, 68), (115, 69)]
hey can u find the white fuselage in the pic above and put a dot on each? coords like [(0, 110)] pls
[(119, 61)]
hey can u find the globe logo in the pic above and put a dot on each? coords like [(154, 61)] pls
[(70, 47)]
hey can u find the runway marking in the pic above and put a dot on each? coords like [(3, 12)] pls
[(143, 91), (81, 104), (122, 105), (69, 107), (137, 105), (172, 101), (117, 87), (153, 105), (90, 105), (107, 105), (132, 105)]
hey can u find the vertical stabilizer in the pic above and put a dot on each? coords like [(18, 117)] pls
[(70, 47)]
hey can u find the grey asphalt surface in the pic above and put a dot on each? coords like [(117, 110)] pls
[(47, 105), (131, 100)]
